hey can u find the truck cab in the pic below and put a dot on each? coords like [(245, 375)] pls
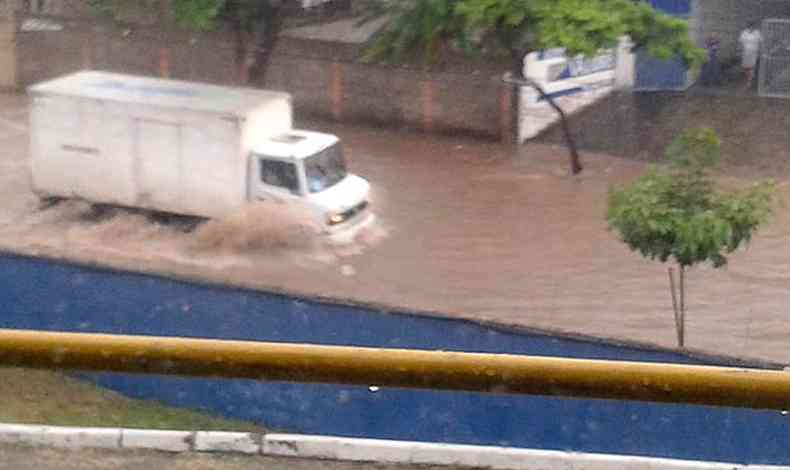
[(310, 167)]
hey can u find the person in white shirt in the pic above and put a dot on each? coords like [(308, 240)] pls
[(750, 40)]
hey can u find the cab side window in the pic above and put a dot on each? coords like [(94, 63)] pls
[(280, 174)]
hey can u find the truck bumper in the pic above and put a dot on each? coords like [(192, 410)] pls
[(347, 232)]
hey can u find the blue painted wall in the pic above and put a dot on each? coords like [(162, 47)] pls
[(44, 295), (655, 74), (680, 8)]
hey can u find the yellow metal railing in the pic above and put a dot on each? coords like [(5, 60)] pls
[(497, 373)]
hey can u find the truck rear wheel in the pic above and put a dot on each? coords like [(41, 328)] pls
[(46, 201), (179, 222)]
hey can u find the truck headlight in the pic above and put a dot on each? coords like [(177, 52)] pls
[(335, 219)]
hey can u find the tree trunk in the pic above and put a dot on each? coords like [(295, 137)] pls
[(682, 306), (265, 47), (675, 311), (570, 142), (679, 307), (241, 43)]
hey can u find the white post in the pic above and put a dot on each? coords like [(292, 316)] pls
[(625, 65)]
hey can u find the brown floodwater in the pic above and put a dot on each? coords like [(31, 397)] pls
[(465, 228)]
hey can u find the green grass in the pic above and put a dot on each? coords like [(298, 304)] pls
[(44, 397)]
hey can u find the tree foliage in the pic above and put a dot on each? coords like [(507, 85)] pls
[(415, 25), (522, 26), (256, 23), (120, 9), (200, 15), (677, 213), (518, 27)]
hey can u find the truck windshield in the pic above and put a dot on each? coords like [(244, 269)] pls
[(325, 169)]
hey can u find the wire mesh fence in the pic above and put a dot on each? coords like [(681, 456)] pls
[(774, 70)]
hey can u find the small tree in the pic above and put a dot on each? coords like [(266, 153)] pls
[(678, 213)]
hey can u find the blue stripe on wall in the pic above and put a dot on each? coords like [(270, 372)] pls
[(45, 295)]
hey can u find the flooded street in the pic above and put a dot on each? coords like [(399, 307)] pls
[(465, 228)]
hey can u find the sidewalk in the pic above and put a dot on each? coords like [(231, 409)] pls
[(16, 457), (275, 451)]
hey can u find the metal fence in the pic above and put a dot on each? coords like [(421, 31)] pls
[(774, 67)]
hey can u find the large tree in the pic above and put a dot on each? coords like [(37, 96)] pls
[(519, 27), (255, 23)]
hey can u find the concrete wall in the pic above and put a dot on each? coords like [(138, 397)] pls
[(70, 8), (46, 54), (536, 116), (7, 53), (573, 85), (43, 55), (641, 125), (325, 79), (387, 96)]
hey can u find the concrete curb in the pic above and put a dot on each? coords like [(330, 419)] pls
[(60, 436), (501, 458), (215, 441), (348, 449), (167, 441)]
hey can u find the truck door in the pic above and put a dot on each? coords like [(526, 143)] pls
[(158, 165), (275, 180)]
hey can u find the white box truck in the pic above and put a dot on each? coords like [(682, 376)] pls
[(185, 148)]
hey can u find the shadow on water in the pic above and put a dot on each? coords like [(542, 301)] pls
[(89, 213)]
